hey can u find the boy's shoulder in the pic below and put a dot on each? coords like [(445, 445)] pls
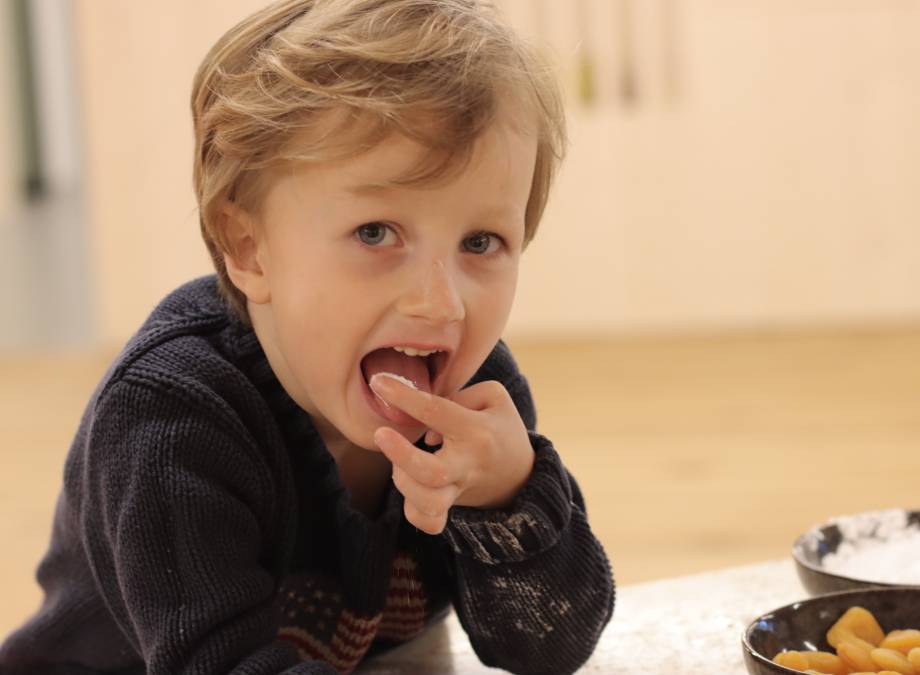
[(191, 340), (195, 307)]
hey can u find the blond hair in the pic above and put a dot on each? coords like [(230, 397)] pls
[(386, 64)]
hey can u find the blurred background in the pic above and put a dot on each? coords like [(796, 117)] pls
[(720, 315)]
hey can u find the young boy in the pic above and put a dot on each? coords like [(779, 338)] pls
[(254, 487)]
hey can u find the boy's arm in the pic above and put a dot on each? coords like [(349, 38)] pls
[(179, 512), (533, 585)]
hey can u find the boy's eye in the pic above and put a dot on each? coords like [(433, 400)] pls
[(372, 234), (480, 243)]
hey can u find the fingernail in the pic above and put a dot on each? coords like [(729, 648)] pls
[(383, 380), (378, 384)]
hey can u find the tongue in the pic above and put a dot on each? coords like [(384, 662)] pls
[(414, 368)]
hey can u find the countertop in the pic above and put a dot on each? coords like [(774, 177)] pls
[(685, 625)]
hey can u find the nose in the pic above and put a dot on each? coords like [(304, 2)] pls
[(435, 298)]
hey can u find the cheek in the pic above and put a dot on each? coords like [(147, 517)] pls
[(487, 315), (321, 316), (312, 287), (495, 296)]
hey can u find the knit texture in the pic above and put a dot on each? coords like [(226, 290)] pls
[(202, 528)]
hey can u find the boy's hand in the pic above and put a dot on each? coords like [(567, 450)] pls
[(485, 459)]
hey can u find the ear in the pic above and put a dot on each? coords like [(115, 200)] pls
[(246, 254)]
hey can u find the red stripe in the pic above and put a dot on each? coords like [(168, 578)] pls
[(401, 632), (401, 625), (419, 621), (349, 659), (402, 635), (403, 612), (406, 593), (341, 640), (357, 623), (404, 601), (357, 628), (362, 642)]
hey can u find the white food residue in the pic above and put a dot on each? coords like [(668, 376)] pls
[(880, 547), (404, 380)]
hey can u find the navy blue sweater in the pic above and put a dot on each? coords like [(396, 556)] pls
[(203, 528)]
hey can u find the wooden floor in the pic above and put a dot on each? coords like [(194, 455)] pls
[(693, 453)]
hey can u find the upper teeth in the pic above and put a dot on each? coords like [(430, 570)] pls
[(415, 352)]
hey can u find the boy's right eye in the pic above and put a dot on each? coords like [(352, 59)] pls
[(372, 234)]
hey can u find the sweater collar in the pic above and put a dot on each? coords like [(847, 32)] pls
[(299, 432)]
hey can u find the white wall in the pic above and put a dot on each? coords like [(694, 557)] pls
[(778, 186), (56, 91), (47, 302), (137, 62), (9, 149), (774, 184)]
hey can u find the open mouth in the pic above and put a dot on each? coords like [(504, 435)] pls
[(424, 371), (437, 364)]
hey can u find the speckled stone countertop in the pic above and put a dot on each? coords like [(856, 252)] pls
[(685, 625)]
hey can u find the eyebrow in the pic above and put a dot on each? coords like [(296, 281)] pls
[(368, 188), (382, 187)]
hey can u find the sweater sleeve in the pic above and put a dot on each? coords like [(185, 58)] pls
[(177, 517), (534, 589)]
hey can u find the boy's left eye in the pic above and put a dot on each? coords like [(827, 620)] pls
[(480, 243)]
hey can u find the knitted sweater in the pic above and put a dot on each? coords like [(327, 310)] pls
[(203, 528)]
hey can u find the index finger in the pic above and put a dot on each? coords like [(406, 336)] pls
[(436, 412), (426, 468)]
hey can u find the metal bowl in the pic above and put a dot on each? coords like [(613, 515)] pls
[(811, 549), (802, 626)]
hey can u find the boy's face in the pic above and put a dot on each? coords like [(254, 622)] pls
[(341, 272)]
